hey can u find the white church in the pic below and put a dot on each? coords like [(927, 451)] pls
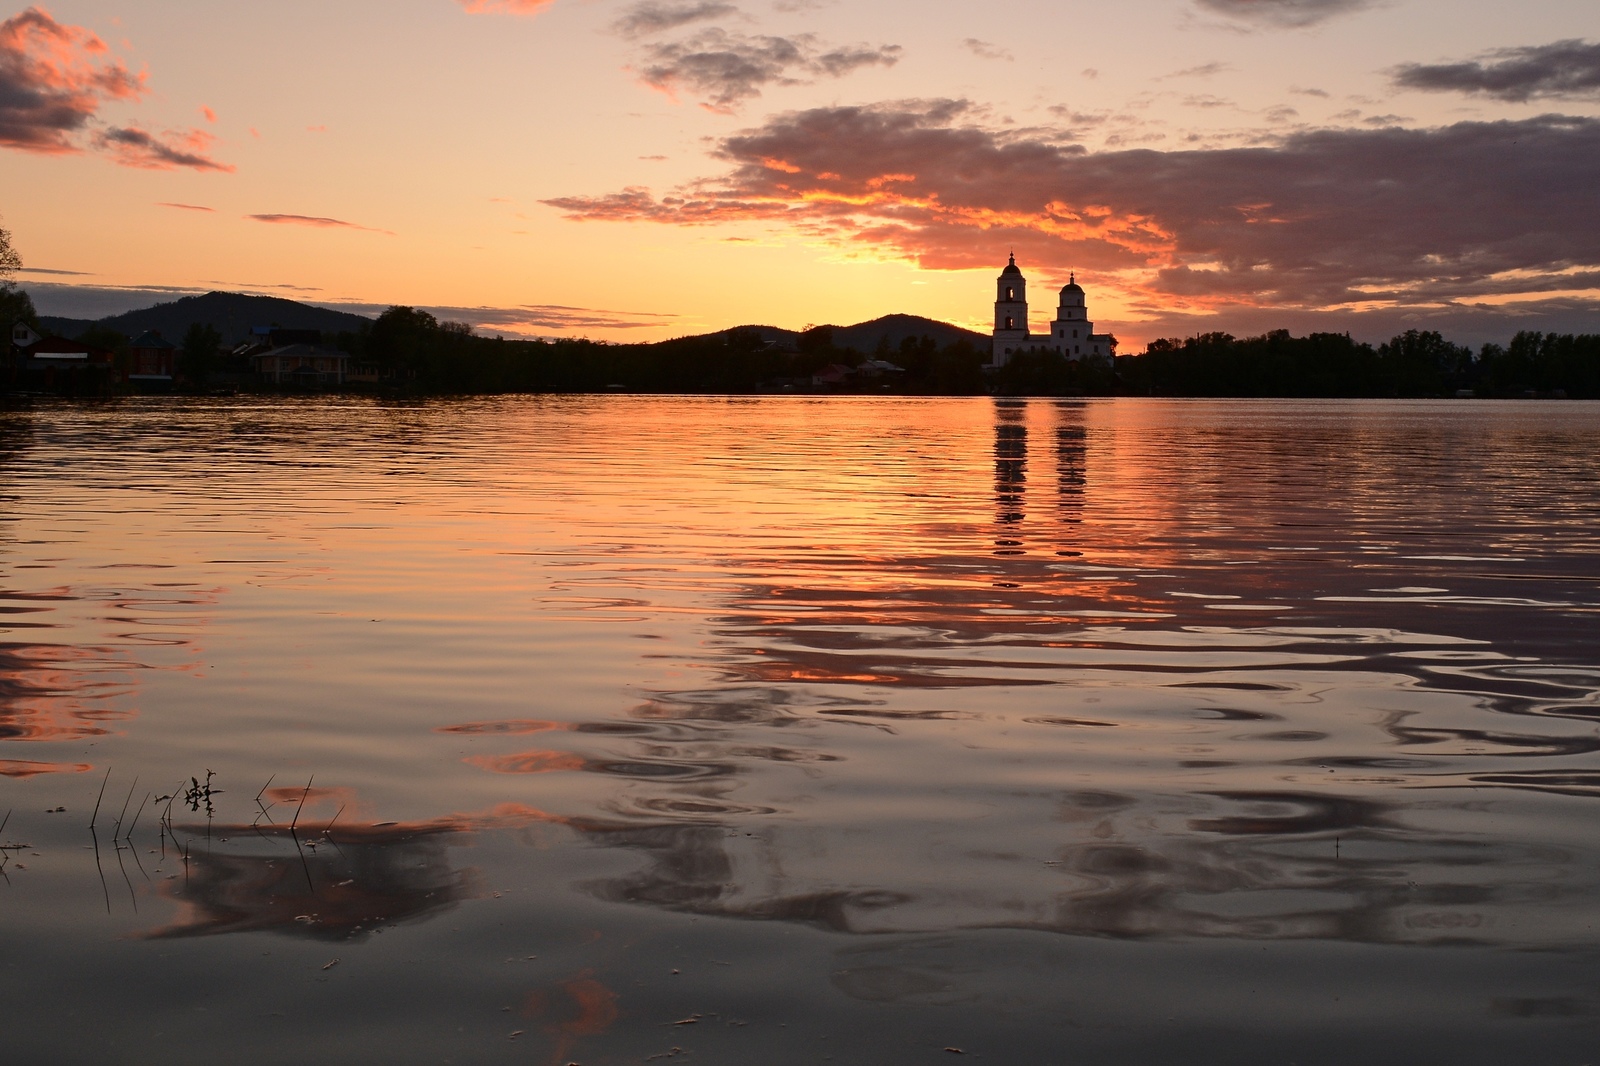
[(1071, 335)]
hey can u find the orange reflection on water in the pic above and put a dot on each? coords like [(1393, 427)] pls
[(575, 1008), (53, 693), (513, 728), (528, 762), (29, 768)]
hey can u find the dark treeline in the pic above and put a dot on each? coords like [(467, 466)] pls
[(414, 350), (406, 350), (1414, 364)]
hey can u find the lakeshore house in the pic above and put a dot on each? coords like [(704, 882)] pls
[(52, 364), (152, 359), (302, 364), (300, 359), (1071, 336)]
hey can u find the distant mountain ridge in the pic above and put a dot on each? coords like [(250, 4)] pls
[(231, 314), (234, 314), (864, 337)]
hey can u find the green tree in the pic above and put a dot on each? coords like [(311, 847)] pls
[(1422, 363), (15, 304), (198, 356), (98, 336), (403, 339), (10, 261)]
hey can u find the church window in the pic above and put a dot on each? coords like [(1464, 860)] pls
[(1011, 294), (1011, 323)]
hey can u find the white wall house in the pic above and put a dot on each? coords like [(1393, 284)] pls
[(1071, 335)]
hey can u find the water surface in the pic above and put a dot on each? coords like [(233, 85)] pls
[(791, 730)]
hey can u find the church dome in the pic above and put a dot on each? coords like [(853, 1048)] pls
[(1072, 285), (1011, 269)]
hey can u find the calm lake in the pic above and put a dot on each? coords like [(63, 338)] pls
[(609, 730)]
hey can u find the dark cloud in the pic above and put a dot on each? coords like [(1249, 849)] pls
[(651, 16), (65, 300), (1284, 13), (53, 80), (1472, 323), (134, 147), (1565, 69), (187, 207), (1318, 219), (725, 69), (528, 319)]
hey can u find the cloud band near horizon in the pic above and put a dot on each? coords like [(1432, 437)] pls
[(1320, 219)]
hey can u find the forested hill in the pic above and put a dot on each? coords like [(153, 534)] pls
[(231, 314), (234, 314), (864, 338)]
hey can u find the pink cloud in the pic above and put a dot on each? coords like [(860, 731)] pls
[(314, 221), (53, 80), (134, 147), (505, 7)]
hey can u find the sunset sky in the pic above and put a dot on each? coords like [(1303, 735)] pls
[(637, 169)]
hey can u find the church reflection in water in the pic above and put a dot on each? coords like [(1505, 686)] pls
[(1011, 459), (1008, 737), (1010, 476)]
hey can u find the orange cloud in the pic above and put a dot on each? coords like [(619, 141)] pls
[(1343, 218), (53, 79)]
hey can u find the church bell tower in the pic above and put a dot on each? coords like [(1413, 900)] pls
[(1010, 313)]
